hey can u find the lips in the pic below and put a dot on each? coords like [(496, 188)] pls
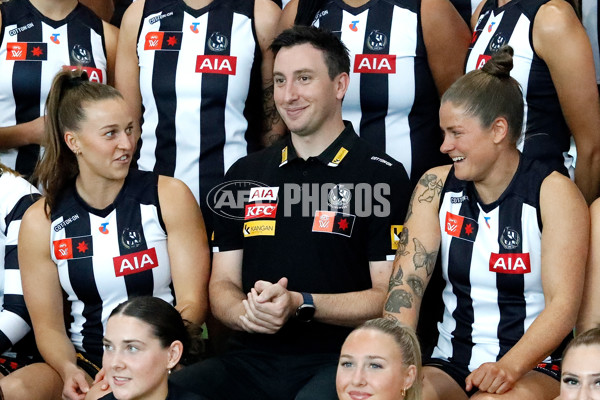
[(120, 380), (357, 395)]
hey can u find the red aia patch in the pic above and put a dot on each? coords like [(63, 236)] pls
[(225, 65), (135, 262), (510, 263), (94, 74), (481, 60), (375, 63)]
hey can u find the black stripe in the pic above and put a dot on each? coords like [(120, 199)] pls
[(19, 208), (165, 96), (374, 88), (460, 254), (5, 342), (80, 40), (83, 282), (212, 108), (511, 287), (16, 303), (26, 83), (11, 260)]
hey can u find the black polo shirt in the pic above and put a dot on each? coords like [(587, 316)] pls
[(318, 222)]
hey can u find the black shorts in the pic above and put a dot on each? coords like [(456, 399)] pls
[(83, 362), (10, 364), (460, 372)]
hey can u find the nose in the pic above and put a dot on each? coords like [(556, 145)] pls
[(126, 142), (447, 145), (584, 393), (290, 92), (114, 360), (358, 377)]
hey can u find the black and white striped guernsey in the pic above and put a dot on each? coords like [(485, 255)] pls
[(392, 100), (16, 195), (491, 262), (33, 49), (201, 89), (466, 8), (546, 134), (590, 18), (106, 256)]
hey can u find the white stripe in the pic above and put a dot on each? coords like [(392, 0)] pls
[(12, 282), (12, 235), (13, 326)]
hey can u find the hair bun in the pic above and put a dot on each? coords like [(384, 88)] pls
[(501, 63)]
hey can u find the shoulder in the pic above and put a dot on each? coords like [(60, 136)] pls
[(559, 193), (35, 217), (554, 17)]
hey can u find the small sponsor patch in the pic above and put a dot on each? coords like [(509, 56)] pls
[(77, 247), (375, 64), (481, 60), (263, 194), (510, 263), (461, 227), (135, 262), (163, 41), (395, 235), (333, 222), (94, 74), (224, 65), (27, 51), (254, 211), (259, 228)]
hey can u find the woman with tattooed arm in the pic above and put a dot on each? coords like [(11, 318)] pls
[(511, 233)]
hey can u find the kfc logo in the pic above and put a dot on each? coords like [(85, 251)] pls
[(260, 211)]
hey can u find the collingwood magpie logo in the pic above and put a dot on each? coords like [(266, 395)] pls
[(131, 238), (339, 197), (81, 54), (497, 41), (510, 238), (376, 40), (218, 42)]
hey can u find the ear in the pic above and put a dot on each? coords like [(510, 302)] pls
[(341, 85), (175, 353), (72, 141), (410, 376), (500, 129)]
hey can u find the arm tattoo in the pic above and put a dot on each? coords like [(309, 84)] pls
[(416, 284), (402, 243), (271, 116), (396, 280), (398, 299), (410, 203), (433, 186), (422, 258)]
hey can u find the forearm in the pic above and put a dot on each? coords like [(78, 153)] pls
[(57, 350), (226, 303), (16, 136), (192, 311), (587, 172), (349, 309)]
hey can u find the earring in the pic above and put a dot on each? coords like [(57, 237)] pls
[(403, 392), (169, 371)]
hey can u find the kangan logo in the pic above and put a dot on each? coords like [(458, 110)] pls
[(510, 238), (339, 197)]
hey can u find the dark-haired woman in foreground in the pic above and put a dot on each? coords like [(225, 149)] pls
[(145, 339), (103, 233), (501, 220)]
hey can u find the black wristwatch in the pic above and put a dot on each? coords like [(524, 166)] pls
[(306, 311)]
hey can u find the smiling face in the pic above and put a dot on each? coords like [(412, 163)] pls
[(135, 362), (581, 373), (470, 145), (306, 97), (371, 367), (104, 140)]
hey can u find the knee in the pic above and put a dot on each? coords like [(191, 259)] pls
[(12, 388)]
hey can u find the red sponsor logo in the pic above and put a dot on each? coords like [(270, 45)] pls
[(481, 60), (375, 63), (16, 51), (153, 40), (510, 263), (454, 224), (260, 211), (135, 262), (63, 249), (94, 74), (225, 65)]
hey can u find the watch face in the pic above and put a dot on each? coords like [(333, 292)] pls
[(305, 312)]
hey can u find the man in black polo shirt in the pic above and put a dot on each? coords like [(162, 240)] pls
[(311, 252)]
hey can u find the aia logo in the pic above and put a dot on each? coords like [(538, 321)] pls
[(194, 27), (103, 228), (135, 262), (224, 65), (510, 263), (54, 38), (353, 26), (481, 60), (94, 74), (375, 63)]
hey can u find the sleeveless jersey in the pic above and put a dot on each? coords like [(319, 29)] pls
[(33, 49), (16, 197), (392, 100), (466, 8), (546, 134), (201, 89), (589, 18), (106, 256), (491, 262)]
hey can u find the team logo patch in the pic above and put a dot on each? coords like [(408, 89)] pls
[(377, 41), (510, 263), (217, 42), (253, 211), (263, 194), (510, 238), (76, 247), (135, 262), (339, 197), (81, 54), (131, 238), (27, 51), (333, 222), (259, 228), (163, 41), (375, 63), (94, 74), (461, 227), (224, 65), (497, 41), (395, 231), (481, 60), (54, 38)]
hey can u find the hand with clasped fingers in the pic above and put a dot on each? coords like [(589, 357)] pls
[(492, 377), (269, 306)]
